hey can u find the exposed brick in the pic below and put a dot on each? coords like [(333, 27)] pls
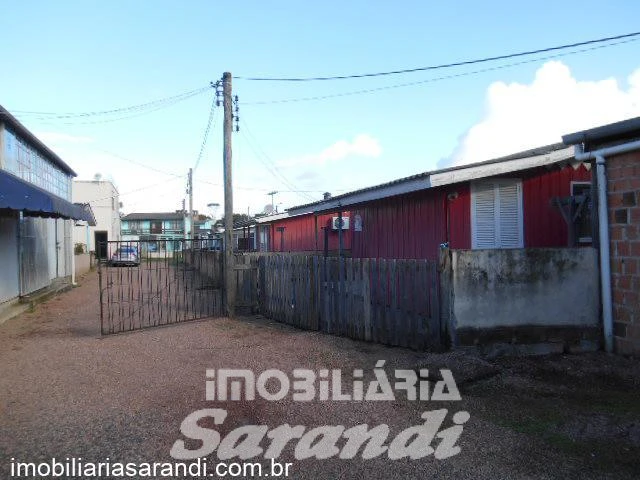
[(631, 266), (621, 314), (629, 199), (624, 160), (618, 297), (621, 215), (635, 215), (631, 232), (616, 265), (616, 232), (629, 171), (631, 299), (622, 248), (620, 329), (634, 248), (615, 200), (618, 185), (632, 332), (623, 282)]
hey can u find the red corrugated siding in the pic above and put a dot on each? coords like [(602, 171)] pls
[(414, 225), (460, 217), (407, 226), (300, 234), (543, 223)]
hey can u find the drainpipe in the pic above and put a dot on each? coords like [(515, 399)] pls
[(603, 231), (73, 255)]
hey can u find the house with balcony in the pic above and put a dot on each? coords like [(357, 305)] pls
[(36, 215), (158, 232)]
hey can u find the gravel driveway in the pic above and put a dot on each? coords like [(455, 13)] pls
[(67, 392)]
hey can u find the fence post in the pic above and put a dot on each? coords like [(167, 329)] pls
[(447, 326), (366, 294)]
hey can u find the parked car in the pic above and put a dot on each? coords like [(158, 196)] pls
[(125, 255)]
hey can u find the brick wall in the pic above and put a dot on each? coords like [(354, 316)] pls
[(624, 219)]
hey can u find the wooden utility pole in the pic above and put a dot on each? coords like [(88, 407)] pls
[(191, 207), (229, 274)]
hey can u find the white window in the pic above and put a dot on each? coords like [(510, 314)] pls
[(496, 214)]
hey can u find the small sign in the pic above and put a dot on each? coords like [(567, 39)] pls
[(357, 223)]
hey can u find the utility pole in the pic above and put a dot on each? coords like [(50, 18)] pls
[(191, 206), (272, 194), (229, 274)]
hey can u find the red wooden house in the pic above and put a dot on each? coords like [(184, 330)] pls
[(509, 202)]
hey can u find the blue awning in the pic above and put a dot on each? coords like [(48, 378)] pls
[(16, 194)]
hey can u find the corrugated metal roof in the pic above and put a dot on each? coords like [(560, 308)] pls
[(532, 158), (21, 130)]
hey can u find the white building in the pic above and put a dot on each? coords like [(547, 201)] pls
[(104, 200), (36, 213)]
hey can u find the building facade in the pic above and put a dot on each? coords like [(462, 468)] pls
[(36, 213), (510, 202), (104, 200), (614, 150), (159, 231)]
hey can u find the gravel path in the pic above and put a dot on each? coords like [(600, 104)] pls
[(67, 392)]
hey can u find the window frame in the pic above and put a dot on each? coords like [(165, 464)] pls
[(573, 183), (496, 183)]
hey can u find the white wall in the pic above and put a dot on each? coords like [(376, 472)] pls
[(104, 200), (9, 279)]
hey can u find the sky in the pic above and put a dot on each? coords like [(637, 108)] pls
[(69, 62)]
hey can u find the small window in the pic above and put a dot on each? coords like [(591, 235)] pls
[(581, 191), (496, 214)]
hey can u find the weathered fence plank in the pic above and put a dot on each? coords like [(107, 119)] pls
[(394, 302)]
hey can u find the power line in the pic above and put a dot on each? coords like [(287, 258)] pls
[(430, 80), (258, 189), (142, 106), (47, 120), (206, 132), (444, 65), (134, 191), (140, 164), (267, 162)]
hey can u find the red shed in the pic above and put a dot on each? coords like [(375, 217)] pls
[(510, 202)]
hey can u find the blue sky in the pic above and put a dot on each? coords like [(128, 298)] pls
[(80, 56)]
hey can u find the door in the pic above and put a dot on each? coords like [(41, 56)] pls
[(101, 237)]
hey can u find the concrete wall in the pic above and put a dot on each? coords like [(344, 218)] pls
[(623, 172), (104, 200), (523, 295), (9, 278), (82, 264)]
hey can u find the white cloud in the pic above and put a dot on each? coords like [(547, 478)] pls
[(363, 145), (519, 117), (58, 138)]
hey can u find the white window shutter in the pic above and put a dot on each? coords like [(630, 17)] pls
[(484, 225), (510, 217), (496, 214)]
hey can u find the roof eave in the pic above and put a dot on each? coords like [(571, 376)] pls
[(438, 178)]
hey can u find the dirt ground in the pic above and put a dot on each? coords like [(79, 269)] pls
[(67, 392)]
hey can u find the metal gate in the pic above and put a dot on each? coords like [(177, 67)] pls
[(149, 283)]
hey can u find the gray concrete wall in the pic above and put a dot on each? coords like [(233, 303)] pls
[(553, 287)]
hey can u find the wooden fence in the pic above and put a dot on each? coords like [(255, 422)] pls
[(394, 302)]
